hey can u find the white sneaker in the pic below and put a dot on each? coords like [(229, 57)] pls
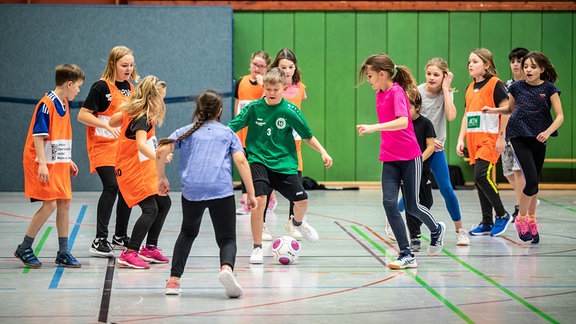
[(462, 238), (405, 260), (233, 289), (266, 236), (308, 232), (256, 257), (292, 231), (389, 232), (437, 240)]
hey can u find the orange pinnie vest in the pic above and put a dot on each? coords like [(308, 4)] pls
[(58, 153), (247, 92), (297, 100), (482, 129), (136, 174), (100, 143)]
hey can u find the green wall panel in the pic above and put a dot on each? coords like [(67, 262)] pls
[(340, 95), (371, 35), (331, 46)]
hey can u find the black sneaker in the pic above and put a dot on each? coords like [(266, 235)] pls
[(27, 257), (437, 240), (415, 245), (516, 210), (120, 242), (101, 248)]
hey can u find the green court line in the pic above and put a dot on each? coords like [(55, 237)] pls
[(557, 204), (431, 290), (475, 271), (39, 246)]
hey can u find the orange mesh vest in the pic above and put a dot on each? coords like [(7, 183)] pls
[(482, 129), (297, 100), (100, 143), (247, 92), (136, 174), (58, 152)]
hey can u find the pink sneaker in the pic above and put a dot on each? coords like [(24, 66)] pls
[(131, 260), (244, 209), (523, 229), (151, 253), (534, 231), (272, 203)]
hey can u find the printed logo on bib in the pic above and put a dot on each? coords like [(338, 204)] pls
[(59, 151), (103, 132), (473, 121)]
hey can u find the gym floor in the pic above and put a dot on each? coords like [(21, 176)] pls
[(343, 278)]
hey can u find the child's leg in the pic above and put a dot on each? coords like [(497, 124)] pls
[(106, 201), (224, 223), (122, 216), (484, 183), (261, 188), (37, 222), (391, 177), (164, 203), (62, 223), (439, 167), (149, 209), (411, 173), (191, 220)]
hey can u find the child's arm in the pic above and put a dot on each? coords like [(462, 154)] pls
[(116, 120), (85, 116), (161, 157), (73, 169), (396, 124), (314, 144), (557, 106), (449, 107), (461, 137), (43, 175), (141, 139), (429, 148), (244, 169)]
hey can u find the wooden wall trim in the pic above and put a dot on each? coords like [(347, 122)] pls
[(265, 5)]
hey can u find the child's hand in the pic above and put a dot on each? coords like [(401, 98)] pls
[(488, 110), (163, 186), (438, 146), (542, 137), (460, 148), (114, 130), (448, 77), (43, 175), (327, 160), (73, 169), (259, 79), (169, 157), (251, 202), (364, 129)]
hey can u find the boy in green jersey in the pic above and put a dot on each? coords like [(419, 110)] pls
[(272, 155)]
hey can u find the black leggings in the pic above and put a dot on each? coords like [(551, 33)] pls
[(426, 200), (487, 191), (154, 211), (106, 204), (223, 215), (530, 154)]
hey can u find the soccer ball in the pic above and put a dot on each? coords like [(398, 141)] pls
[(285, 249)]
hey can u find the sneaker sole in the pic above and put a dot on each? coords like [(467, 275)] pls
[(130, 265), (119, 247), (75, 266), (172, 291), (151, 260), (256, 261), (31, 265), (97, 253), (233, 290), (395, 267)]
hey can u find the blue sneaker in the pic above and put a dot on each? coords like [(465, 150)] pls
[(501, 224), (66, 259), (481, 229), (27, 257)]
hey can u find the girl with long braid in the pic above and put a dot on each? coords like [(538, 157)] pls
[(207, 151)]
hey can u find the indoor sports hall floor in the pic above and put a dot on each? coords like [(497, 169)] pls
[(341, 279)]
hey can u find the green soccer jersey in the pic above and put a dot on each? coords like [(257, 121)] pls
[(270, 140)]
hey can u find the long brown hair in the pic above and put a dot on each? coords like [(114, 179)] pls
[(382, 62)]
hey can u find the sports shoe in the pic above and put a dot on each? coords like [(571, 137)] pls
[(405, 260), (27, 257), (129, 258), (101, 248), (437, 240), (390, 232), (244, 208), (272, 203), (291, 229), (266, 236), (66, 259), (172, 287), (523, 229), (462, 238), (415, 245), (481, 229), (256, 257), (120, 242), (515, 213), (534, 231), (151, 254), (308, 232), (500, 224), (227, 279)]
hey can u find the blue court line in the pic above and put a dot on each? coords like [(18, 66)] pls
[(59, 270)]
